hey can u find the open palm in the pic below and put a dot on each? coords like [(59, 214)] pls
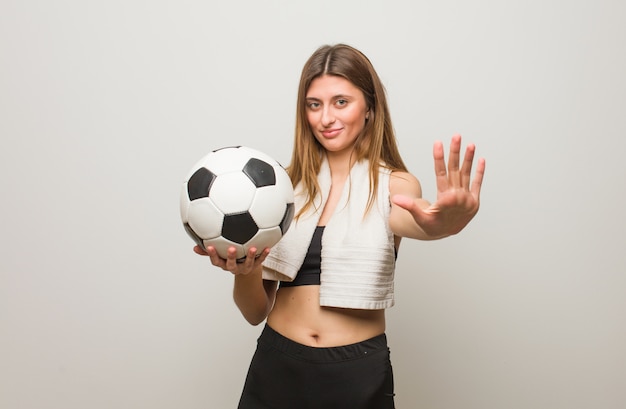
[(458, 197)]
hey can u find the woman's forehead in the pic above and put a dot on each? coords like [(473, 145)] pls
[(331, 86)]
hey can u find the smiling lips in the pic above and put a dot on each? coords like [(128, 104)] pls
[(331, 133)]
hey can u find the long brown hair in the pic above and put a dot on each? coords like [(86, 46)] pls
[(377, 142)]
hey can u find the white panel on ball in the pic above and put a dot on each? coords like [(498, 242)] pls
[(221, 246), (264, 238), (253, 153), (225, 160), (204, 218), (184, 204), (284, 186), (266, 216), (232, 192)]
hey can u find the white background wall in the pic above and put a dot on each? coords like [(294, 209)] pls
[(105, 105)]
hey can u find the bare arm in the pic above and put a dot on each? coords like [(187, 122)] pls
[(401, 221), (457, 201), (253, 296)]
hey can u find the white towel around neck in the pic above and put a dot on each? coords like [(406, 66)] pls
[(358, 256)]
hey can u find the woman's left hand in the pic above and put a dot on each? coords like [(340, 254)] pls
[(457, 201)]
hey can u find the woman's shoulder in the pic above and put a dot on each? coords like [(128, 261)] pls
[(402, 182), (402, 175)]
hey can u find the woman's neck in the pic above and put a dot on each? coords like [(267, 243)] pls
[(340, 163)]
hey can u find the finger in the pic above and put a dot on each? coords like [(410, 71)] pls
[(412, 206), (216, 260), (199, 250), (478, 178), (404, 202), (441, 174), (231, 259), (249, 262), (453, 161), (261, 256), (466, 169)]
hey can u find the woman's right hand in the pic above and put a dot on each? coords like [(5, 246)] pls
[(251, 263)]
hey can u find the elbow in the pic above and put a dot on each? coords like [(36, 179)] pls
[(254, 321), (256, 305), (254, 315), (256, 318)]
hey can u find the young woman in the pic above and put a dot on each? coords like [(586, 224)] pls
[(324, 288)]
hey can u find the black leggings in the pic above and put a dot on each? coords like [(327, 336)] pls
[(287, 375)]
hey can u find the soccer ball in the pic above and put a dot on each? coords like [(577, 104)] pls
[(237, 196)]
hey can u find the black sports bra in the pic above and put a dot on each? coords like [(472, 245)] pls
[(309, 273)]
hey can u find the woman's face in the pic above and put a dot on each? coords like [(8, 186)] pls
[(336, 111)]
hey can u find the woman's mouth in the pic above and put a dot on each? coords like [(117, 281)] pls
[(331, 133)]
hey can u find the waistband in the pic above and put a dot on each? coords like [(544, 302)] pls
[(322, 355)]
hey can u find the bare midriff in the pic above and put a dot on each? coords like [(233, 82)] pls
[(298, 316)]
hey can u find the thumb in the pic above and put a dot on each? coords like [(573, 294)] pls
[(412, 206), (404, 202)]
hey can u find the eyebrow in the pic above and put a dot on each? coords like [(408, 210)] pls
[(338, 96)]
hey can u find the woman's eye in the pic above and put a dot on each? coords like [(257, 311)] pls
[(342, 102), (313, 105)]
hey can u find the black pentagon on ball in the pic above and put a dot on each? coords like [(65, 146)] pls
[(260, 173), (287, 218), (199, 183), (239, 227)]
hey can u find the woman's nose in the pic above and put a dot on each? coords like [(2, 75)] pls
[(328, 117)]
